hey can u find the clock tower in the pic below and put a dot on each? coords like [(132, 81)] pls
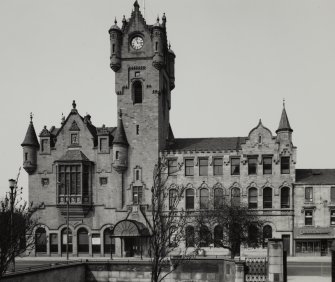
[(144, 77)]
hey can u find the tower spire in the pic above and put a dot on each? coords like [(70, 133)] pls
[(284, 124)]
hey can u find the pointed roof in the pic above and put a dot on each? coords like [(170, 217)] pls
[(31, 138), (120, 135), (284, 124)]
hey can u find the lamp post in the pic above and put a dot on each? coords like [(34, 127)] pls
[(12, 184)]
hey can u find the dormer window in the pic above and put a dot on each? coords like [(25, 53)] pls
[(137, 92)]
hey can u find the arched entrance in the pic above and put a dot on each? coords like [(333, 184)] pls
[(82, 240), (40, 240), (133, 235)]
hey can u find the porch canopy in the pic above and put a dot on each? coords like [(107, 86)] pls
[(130, 228)]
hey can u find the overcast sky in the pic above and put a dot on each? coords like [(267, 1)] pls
[(236, 61)]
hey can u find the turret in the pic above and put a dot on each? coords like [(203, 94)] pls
[(157, 41), (171, 62), (120, 147), (284, 131), (30, 147), (115, 38)]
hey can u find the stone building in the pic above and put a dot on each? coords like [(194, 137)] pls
[(101, 176), (314, 200)]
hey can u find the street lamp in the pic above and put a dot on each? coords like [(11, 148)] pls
[(12, 185)]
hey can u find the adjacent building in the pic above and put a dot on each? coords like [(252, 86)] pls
[(100, 176)]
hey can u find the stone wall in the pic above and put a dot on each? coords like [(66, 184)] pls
[(68, 273), (195, 271)]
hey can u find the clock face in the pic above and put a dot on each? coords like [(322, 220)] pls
[(137, 42)]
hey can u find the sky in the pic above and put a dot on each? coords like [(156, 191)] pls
[(236, 60)]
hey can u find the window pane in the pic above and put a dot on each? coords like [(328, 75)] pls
[(235, 196), (285, 197), (252, 201), (332, 217), (285, 165), (267, 165), (203, 167), (218, 166), (235, 166), (308, 217), (309, 194), (189, 199), (218, 198), (204, 198), (252, 165), (189, 236), (189, 167), (172, 167), (267, 198)]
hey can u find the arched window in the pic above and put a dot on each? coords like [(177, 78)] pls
[(267, 234), (252, 198), (267, 198), (235, 196), (82, 237), (204, 198), (65, 241), (205, 236), (189, 236), (189, 199), (218, 236), (41, 240), (172, 199), (285, 197), (109, 242), (218, 198), (137, 92)]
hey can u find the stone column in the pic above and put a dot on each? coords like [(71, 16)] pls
[(74, 244), (239, 271), (90, 252), (275, 260)]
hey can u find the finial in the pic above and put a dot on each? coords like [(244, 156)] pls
[(124, 19), (260, 121), (136, 5), (115, 21), (63, 119), (45, 127), (157, 18), (169, 45), (31, 117), (74, 105), (120, 114), (284, 103), (164, 18)]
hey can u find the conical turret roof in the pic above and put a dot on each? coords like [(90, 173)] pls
[(31, 138), (120, 134), (284, 124)]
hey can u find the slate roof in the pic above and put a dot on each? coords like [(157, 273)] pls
[(284, 124), (315, 176), (73, 155), (31, 138), (120, 135), (206, 144)]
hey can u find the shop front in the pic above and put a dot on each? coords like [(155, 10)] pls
[(313, 241)]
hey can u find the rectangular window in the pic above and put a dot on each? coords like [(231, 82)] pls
[(74, 139), (189, 167), (45, 145), (203, 166), (235, 166), (137, 195), (267, 165), (172, 167), (285, 165), (308, 217), (332, 217), (309, 194), (218, 166), (103, 146), (332, 194), (252, 165)]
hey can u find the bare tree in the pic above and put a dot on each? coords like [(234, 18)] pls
[(235, 225), (16, 225), (167, 225)]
